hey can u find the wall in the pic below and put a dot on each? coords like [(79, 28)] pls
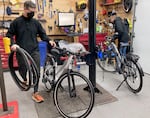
[(142, 33)]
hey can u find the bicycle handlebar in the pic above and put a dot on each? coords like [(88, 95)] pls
[(65, 51)]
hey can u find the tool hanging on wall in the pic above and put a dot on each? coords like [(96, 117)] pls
[(50, 9), (81, 5), (9, 11), (86, 17), (50, 28), (38, 5), (80, 25), (43, 5)]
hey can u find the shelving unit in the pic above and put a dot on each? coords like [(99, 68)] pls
[(105, 3)]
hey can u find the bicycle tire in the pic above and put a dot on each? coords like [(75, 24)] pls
[(107, 64), (18, 79), (134, 76), (33, 68), (61, 85), (48, 72), (127, 5)]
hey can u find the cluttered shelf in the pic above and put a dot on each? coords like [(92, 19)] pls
[(106, 4), (111, 2)]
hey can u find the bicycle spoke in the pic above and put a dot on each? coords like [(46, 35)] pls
[(74, 101), (134, 77)]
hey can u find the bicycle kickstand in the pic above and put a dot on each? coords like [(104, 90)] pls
[(125, 78)]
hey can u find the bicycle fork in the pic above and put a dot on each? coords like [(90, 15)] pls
[(71, 85)]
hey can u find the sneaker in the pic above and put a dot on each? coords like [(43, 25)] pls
[(37, 98)]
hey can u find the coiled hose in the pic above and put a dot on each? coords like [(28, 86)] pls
[(31, 70)]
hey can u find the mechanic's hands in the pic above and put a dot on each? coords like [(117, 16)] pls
[(14, 47), (52, 43)]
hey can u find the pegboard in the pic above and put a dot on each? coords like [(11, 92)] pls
[(48, 13)]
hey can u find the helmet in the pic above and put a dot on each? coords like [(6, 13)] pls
[(81, 5)]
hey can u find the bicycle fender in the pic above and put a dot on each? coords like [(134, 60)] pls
[(133, 57), (140, 69)]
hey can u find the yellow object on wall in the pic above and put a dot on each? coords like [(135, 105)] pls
[(6, 42), (130, 23), (117, 1), (81, 4)]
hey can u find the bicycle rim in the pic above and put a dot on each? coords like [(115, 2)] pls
[(134, 77), (33, 68), (18, 79), (79, 103), (107, 64)]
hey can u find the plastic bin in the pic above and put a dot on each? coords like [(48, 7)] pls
[(43, 52)]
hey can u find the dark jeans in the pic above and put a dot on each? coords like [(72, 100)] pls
[(123, 48), (23, 70)]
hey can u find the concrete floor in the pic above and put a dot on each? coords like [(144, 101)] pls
[(129, 105)]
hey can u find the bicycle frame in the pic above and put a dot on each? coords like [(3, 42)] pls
[(66, 67), (68, 64)]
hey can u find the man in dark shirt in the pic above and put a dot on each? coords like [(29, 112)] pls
[(25, 29), (121, 32)]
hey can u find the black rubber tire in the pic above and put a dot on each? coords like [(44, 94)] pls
[(74, 95), (33, 67), (16, 79), (106, 66), (136, 74), (127, 5)]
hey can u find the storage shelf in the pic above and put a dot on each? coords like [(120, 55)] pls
[(7, 16), (113, 3)]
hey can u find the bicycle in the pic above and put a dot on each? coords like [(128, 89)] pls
[(110, 60), (66, 83)]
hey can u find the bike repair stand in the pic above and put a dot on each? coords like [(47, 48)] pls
[(5, 111), (2, 86), (92, 45)]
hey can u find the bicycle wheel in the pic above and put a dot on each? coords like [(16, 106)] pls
[(49, 72), (16, 75), (70, 98), (134, 76), (107, 64), (34, 68)]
